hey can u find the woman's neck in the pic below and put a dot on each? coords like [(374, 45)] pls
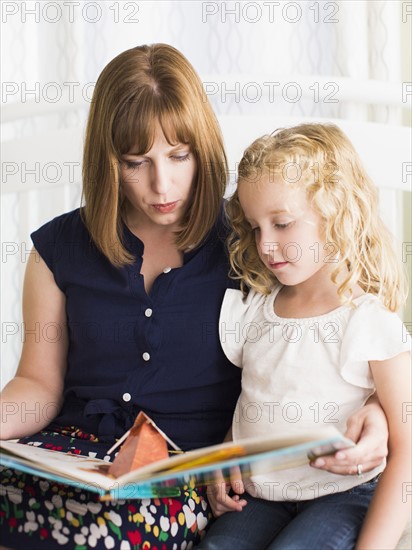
[(149, 232)]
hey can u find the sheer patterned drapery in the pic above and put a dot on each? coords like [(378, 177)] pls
[(255, 58)]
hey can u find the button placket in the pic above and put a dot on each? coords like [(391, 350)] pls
[(148, 313)]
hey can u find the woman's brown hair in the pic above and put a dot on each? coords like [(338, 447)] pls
[(138, 89)]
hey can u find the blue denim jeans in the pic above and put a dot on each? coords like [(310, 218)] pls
[(332, 522)]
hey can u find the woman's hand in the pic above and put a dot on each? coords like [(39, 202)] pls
[(368, 428), (218, 493)]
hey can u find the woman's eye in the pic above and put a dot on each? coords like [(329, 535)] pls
[(133, 164), (181, 158)]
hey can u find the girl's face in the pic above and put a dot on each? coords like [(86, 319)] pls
[(158, 184), (287, 230)]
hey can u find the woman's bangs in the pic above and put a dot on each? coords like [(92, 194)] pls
[(177, 127), (135, 126)]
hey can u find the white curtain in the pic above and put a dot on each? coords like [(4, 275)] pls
[(53, 52)]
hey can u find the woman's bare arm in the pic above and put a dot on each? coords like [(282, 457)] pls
[(34, 396), (390, 508)]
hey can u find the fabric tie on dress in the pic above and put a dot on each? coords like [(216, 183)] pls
[(115, 421)]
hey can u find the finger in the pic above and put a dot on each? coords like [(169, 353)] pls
[(215, 478), (369, 448), (227, 504), (240, 500), (345, 468), (219, 509), (218, 495), (371, 444), (368, 461), (236, 481), (354, 428), (217, 491), (369, 451)]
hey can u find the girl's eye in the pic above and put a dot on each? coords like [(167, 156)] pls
[(282, 225)]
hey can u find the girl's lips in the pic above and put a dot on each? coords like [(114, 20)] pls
[(278, 265), (166, 207)]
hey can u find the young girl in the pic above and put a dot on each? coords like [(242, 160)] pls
[(315, 336)]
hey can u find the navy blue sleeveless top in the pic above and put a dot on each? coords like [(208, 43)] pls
[(130, 351)]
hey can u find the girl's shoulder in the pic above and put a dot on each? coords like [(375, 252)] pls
[(371, 322), (369, 310), (372, 333), (237, 313), (237, 302)]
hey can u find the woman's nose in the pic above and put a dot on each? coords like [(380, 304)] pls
[(160, 179)]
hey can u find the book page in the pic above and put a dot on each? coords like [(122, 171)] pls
[(269, 454), (70, 466)]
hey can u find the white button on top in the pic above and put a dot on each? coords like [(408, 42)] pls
[(126, 397), (167, 269), (148, 312), (146, 356)]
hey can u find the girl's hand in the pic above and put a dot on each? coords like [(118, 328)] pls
[(218, 493), (368, 428)]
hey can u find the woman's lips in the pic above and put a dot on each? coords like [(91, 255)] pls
[(166, 207)]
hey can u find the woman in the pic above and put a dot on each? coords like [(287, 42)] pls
[(133, 284)]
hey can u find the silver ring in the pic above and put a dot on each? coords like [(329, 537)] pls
[(359, 470)]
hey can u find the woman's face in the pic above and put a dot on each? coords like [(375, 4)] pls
[(158, 184)]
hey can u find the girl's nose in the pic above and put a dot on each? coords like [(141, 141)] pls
[(267, 246)]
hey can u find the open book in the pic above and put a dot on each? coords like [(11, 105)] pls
[(168, 477)]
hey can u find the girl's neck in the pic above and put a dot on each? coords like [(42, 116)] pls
[(310, 298), (290, 303)]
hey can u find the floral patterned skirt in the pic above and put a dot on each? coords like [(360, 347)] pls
[(39, 514)]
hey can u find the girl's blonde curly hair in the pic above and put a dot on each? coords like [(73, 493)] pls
[(341, 192)]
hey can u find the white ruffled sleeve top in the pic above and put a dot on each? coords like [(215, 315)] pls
[(303, 373)]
